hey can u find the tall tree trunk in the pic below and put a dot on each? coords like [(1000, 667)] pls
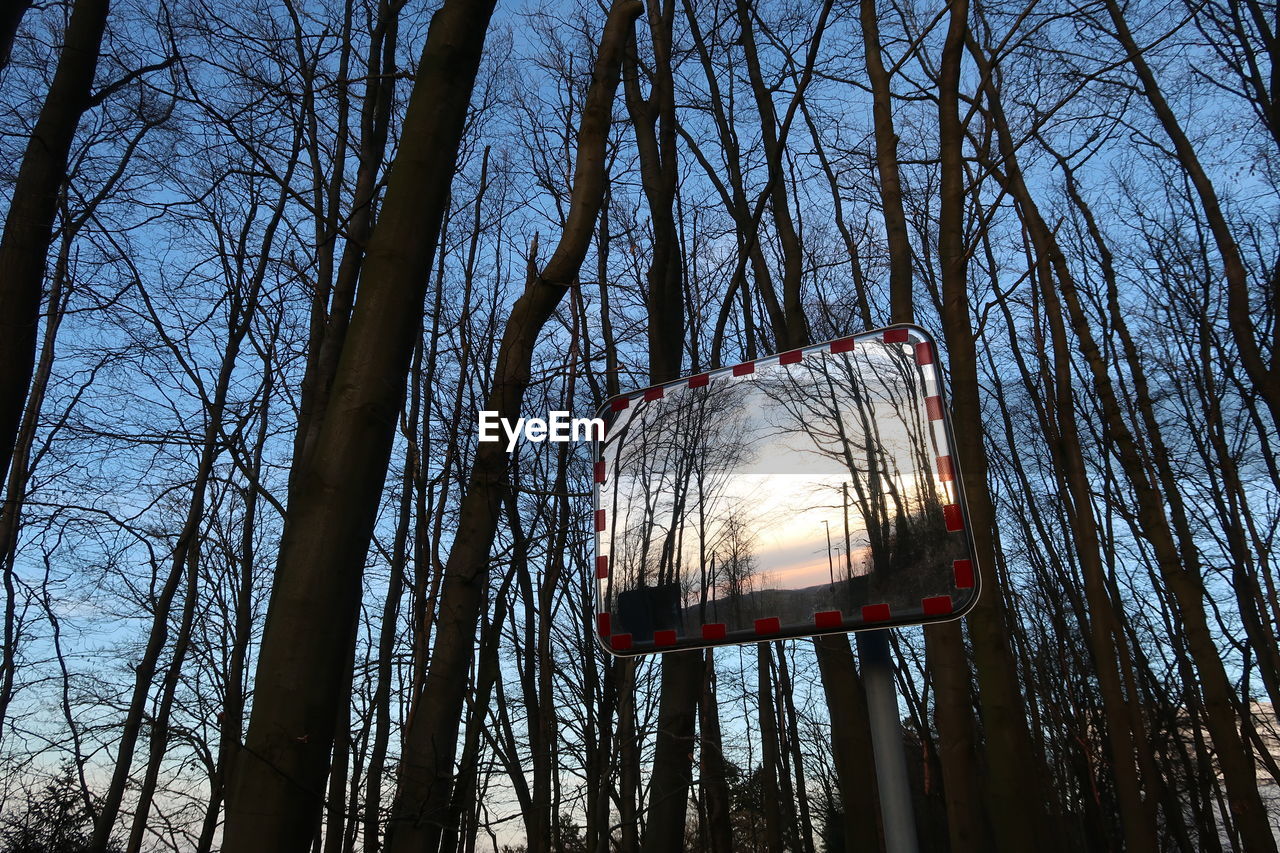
[(850, 742), (231, 717), (895, 220), (791, 732), (623, 675), (15, 489), (332, 302), (1180, 570), (391, 614), (28, 227), (770, 759), (160, 722), (465, 789), (653, 120), (331, 825), (717, 831), (426, 770), (10, 20), (794, 331), (277, 784), (1013, 790), (944, 643), (1137, 815)]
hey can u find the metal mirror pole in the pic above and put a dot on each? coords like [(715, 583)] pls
[(886, 742)]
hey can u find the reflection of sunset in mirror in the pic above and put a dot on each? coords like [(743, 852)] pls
[(804, 492)]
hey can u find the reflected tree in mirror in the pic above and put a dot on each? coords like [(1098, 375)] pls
[(809, 492)]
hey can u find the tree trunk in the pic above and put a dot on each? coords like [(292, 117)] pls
[(231, 719), (850, 742), (277, 784), (332, 303), (1137, 816), (717, 831), (791, 731), (10, 19), (15, 493), (794, 331), (1013, 788), (426, 771), (1179, 570), (895, 220), (770, 760), (653, 121), (28, 227), (944, 643), (390, 618), (624, 676)]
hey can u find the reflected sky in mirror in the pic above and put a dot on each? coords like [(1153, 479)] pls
[(805, 492)]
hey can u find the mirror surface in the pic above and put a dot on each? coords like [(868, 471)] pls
[(809, 492)]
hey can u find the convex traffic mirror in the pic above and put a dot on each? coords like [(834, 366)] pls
[(810, 492)]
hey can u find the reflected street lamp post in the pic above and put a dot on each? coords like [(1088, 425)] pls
[(831, 566)]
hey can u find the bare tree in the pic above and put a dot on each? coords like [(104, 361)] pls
[(28, 229), (426, 772), (275, 793)]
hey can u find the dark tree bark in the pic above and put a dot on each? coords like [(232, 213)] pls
[(21, 470), (28, 227), (770, 759), (10, 19), (653, 120), (426, 771), (794, 331), (717, 832), (850, 742), (1013, 785), (277, 783), (791, 738), (231, 722), (944, 643), (336, 288), (895, 220)]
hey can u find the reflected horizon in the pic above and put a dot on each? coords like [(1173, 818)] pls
[(807, 492)]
